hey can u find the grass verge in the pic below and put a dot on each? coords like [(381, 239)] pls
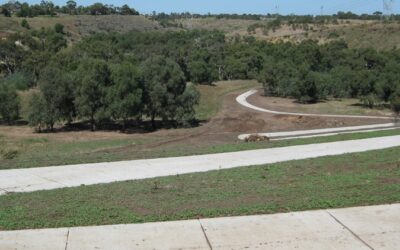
[(41, 152), (368, 178)]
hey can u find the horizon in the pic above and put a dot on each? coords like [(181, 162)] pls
[(284, 7)]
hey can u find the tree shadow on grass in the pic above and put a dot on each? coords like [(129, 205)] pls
[(18, 123), (130, 127), (379, 107)]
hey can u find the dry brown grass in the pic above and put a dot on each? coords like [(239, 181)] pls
[(357, 33), (78, 26), (349, 106)]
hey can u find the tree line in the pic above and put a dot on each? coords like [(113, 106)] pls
[(290, 19), (98, 91), (311, 73), (71, 7), (143, 75)]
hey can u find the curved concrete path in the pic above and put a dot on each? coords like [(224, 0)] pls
[(242, 100), (45, 178), (374, 227)]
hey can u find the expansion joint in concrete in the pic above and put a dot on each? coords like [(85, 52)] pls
[(205, 235), (351, 231), (66, 241)]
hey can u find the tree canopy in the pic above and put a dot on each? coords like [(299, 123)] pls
[(150, 75)]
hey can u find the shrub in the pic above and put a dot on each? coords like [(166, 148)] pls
[(370, 101), (9, 103), (9, 154), (333, 35), (25, 24), (395, 103), (59, 28), (18, 81)]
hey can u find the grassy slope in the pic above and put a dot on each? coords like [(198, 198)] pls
[(358, 34), (47, 149), (328, 182), (38, 150), (79, 26), (226, 25), (379, 36), (34, 150), (211, 97), (345, 106), (41, 152)]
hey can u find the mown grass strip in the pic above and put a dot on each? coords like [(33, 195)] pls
[(41, 153), (368, 178)]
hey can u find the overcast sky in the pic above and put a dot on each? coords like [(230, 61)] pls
[(245, 6)]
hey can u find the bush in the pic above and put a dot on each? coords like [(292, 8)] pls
[(25, 24), (36, 114), (9, 103), (18, 81), (8, 154), (59, 28), (370, 101), (395, 103), (333, 35), (310, 89)]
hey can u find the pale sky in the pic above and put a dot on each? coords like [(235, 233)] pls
[(245, 6)]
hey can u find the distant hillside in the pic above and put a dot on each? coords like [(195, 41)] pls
[(357, 33), (81, 25)]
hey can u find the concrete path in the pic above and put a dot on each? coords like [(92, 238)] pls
[(330, 134), (45, 178), (242, 99), (374, 227), (325, 131)]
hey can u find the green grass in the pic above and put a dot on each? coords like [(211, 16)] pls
[(343, 107), (212, 96), (31, 152), (330, 182), (17, 152), (41, 152), (241, 146)]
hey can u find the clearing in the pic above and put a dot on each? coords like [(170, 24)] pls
[(224, 119), (335, 106)]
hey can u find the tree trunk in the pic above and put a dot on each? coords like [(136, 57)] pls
[(220, 76), (124, 124), (92, 123), (153, 122)]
